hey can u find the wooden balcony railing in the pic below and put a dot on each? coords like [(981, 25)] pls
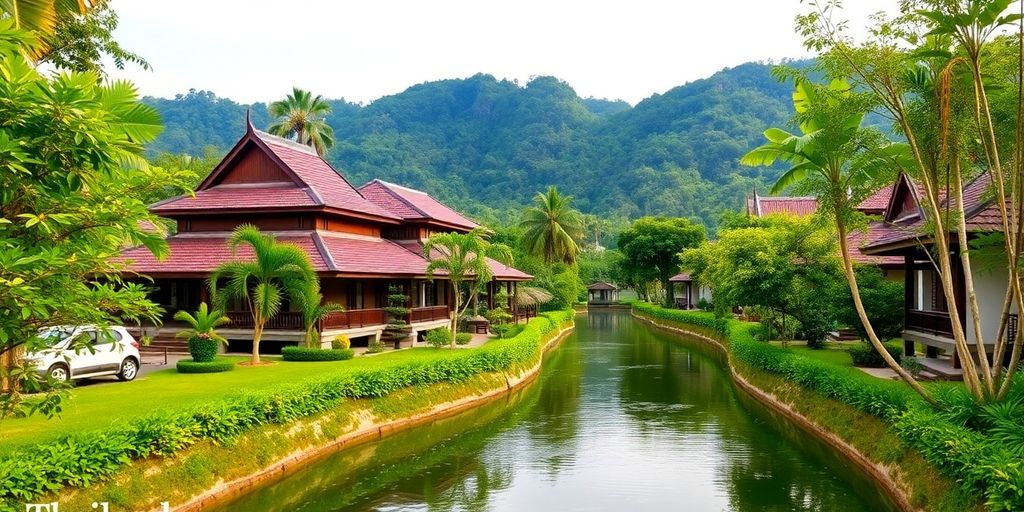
[(932, 322), (286, 320), (428, 314), (353, 319)]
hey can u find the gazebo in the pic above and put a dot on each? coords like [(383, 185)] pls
[(602, 293)]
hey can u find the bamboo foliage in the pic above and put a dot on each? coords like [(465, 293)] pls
[(926, 70)]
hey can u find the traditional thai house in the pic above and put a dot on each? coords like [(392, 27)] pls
[(904, 234), (361, 241)]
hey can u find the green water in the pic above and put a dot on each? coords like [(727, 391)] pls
[(623, 417)]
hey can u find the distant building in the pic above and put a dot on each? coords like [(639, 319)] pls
[(688, 292), (602, 293)]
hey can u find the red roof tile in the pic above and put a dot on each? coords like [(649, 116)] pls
[(365, 255), (876, 203), (858, 239), (202, 254), (499, 270), (680, 278), (411, 204), (799, 206), (330, 186), (230, 197)]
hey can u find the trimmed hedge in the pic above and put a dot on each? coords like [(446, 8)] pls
[(463, 338), (203, 350), (865, 355), (981, 464), (216, 366), (305, 354), (82, 458)]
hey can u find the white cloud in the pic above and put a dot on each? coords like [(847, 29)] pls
[(256, 50)]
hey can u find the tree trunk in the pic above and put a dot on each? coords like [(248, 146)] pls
[(669, 292), (257, 333), (851, 278)]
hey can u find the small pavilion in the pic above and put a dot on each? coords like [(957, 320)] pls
[(602, 293)]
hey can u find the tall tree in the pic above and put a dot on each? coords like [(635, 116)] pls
[(553, 228), (302, 116), (655, 245), (938, 98), (462, 259), (277, 271), (829, 158), (69, 201)]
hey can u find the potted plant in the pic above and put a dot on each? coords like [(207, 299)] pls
[(203, 340)]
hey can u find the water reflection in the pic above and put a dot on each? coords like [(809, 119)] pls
[(621, 418)]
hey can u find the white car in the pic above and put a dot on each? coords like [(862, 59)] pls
[(86, 351)]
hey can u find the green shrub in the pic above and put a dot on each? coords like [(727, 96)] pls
[(440, 337), (341, 341), (316, 354), (203, 350), (463, 338), (865, 355), (216, 366), (84, 458), (375, 346)]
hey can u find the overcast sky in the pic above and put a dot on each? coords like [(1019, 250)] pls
[(255, 50)]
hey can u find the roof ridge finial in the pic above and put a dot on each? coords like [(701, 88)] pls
[(248, 120)]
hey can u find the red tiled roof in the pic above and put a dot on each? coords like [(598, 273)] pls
[(365, 255), (680, 278), (202, 254), (799, 206), (876, 203), (226, 197), (858, 239), (981, 215), (499, 270), (330, 186), (411, 204)]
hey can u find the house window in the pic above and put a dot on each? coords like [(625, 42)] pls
[(355, 295)]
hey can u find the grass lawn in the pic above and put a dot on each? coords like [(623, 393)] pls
[(833, 353), (99, 405)]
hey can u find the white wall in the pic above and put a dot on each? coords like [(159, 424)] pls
[(990, 285)]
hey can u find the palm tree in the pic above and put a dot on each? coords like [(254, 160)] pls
[(41, 15), (278, 271), (552, 227), (830, 153), (202, 326), (462, 258), (301, 116), (314, 308)]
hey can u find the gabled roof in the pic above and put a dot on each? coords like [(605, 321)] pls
[(876, 203), (759, 206), (681, 278), (413, 205), (312, 184), (980, 211), (601, 285)]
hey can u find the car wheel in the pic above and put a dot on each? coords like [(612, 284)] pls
[(59, 373), (129, 369)]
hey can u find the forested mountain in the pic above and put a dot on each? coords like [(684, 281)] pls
[(488, 145)]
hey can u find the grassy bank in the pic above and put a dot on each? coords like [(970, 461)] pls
[(185, 442), (870, 414)]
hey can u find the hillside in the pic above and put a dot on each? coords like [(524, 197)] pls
[(488, 145)]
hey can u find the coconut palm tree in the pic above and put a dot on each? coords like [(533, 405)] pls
[(552, 227), (831, 155), (278, 271), (202, 329), (300, 116), (462, 259)]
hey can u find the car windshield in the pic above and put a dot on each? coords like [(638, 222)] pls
[(54, 335)]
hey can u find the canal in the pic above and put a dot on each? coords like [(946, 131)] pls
[(622, 417)]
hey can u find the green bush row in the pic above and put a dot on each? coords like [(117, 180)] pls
[(217, 365), (81, 459), (980, 463), (865, 355), (316, 354)]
